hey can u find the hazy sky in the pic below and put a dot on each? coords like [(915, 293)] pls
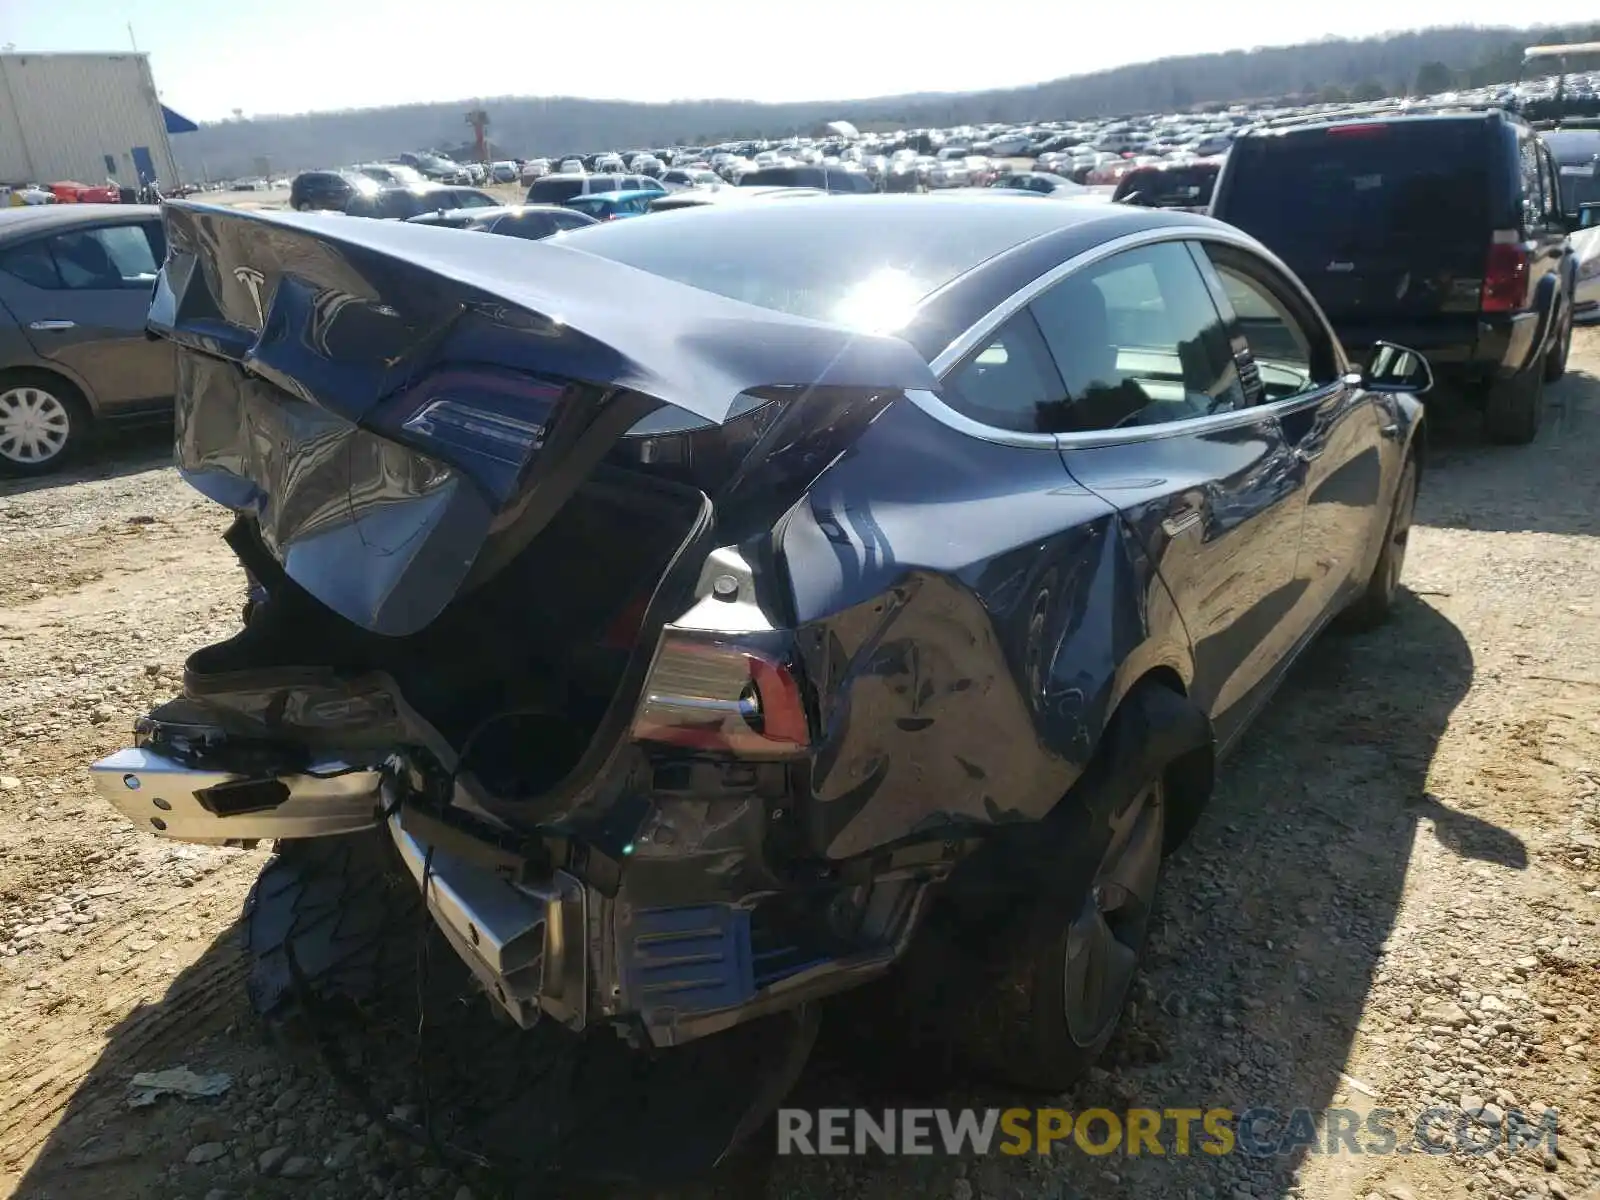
[(277, 56)]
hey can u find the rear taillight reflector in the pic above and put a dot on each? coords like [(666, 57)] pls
[(1505, 276), (717, 695)]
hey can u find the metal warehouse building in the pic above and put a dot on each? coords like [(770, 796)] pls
[(84, 117)]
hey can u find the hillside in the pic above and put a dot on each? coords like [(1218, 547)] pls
[(526, 125)]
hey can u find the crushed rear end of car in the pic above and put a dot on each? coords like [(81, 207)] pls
[(523, 612)]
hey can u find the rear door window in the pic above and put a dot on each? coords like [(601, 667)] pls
[(113, 258), (1365, 184), (1138, 341), (31, 263)]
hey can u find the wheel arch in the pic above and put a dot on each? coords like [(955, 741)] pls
[(1186, 744), (80, 390)]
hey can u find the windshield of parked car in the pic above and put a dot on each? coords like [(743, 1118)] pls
[(1372, 183)]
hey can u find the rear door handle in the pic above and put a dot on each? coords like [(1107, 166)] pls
[(51, 326), (1390, 431), (1308, 455)]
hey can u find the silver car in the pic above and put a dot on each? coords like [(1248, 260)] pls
[(75, 284)]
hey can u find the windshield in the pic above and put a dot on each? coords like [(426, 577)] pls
[(1364, 184)]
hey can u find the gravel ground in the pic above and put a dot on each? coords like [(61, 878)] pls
[(1391, 903)]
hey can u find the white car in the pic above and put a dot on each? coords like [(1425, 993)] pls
[(1009, 145), (573, 166), (534, 168), (949, 173)]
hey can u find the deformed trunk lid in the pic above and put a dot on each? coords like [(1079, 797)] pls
[(308, 343)]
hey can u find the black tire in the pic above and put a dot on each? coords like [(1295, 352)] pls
[(1017, 1020), (1555, 364), (1376, 603), (346, 909), (1514, 408), (49, 398)]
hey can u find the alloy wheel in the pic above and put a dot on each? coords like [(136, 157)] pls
[(34, 425), (1105, 938)]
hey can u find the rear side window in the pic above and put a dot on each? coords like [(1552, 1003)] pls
[(1532, 185), (1367, 184), (553, 191), (603, 183), (1009, 382)]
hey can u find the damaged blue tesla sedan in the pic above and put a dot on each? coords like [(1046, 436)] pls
[(698, 616)]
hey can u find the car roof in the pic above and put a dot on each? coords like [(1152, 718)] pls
[(468, 215), (34, 218), (967, 229), (1323, 121), (622, 194)]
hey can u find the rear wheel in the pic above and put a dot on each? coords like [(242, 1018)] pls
[(1515, 407), (1049, 980), (43, 420)]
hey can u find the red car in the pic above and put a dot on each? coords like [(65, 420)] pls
[(68, 192)]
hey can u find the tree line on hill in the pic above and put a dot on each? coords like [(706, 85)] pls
[(1417, 63)]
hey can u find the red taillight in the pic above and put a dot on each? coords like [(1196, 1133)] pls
[(715, 694), (1505, 276), (1365, 129)]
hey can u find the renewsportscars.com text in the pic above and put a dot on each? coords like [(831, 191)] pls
[(1258, 1132)]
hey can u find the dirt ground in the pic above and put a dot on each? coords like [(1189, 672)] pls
[(1391, 904)]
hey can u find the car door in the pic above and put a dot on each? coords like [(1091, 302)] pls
[(81, 297), (1334, 428), (1158, 423)]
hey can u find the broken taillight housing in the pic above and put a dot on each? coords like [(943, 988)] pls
[(719, 695)]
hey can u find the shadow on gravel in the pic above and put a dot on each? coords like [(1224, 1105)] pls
[(1272, 925), (113, 453), (1549, 486)]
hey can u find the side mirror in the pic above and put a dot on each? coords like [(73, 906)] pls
[(1588, 216), (1393, 368)]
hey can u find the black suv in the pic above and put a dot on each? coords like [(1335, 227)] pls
[(321, 190), (824, 179), (1441, 230)]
